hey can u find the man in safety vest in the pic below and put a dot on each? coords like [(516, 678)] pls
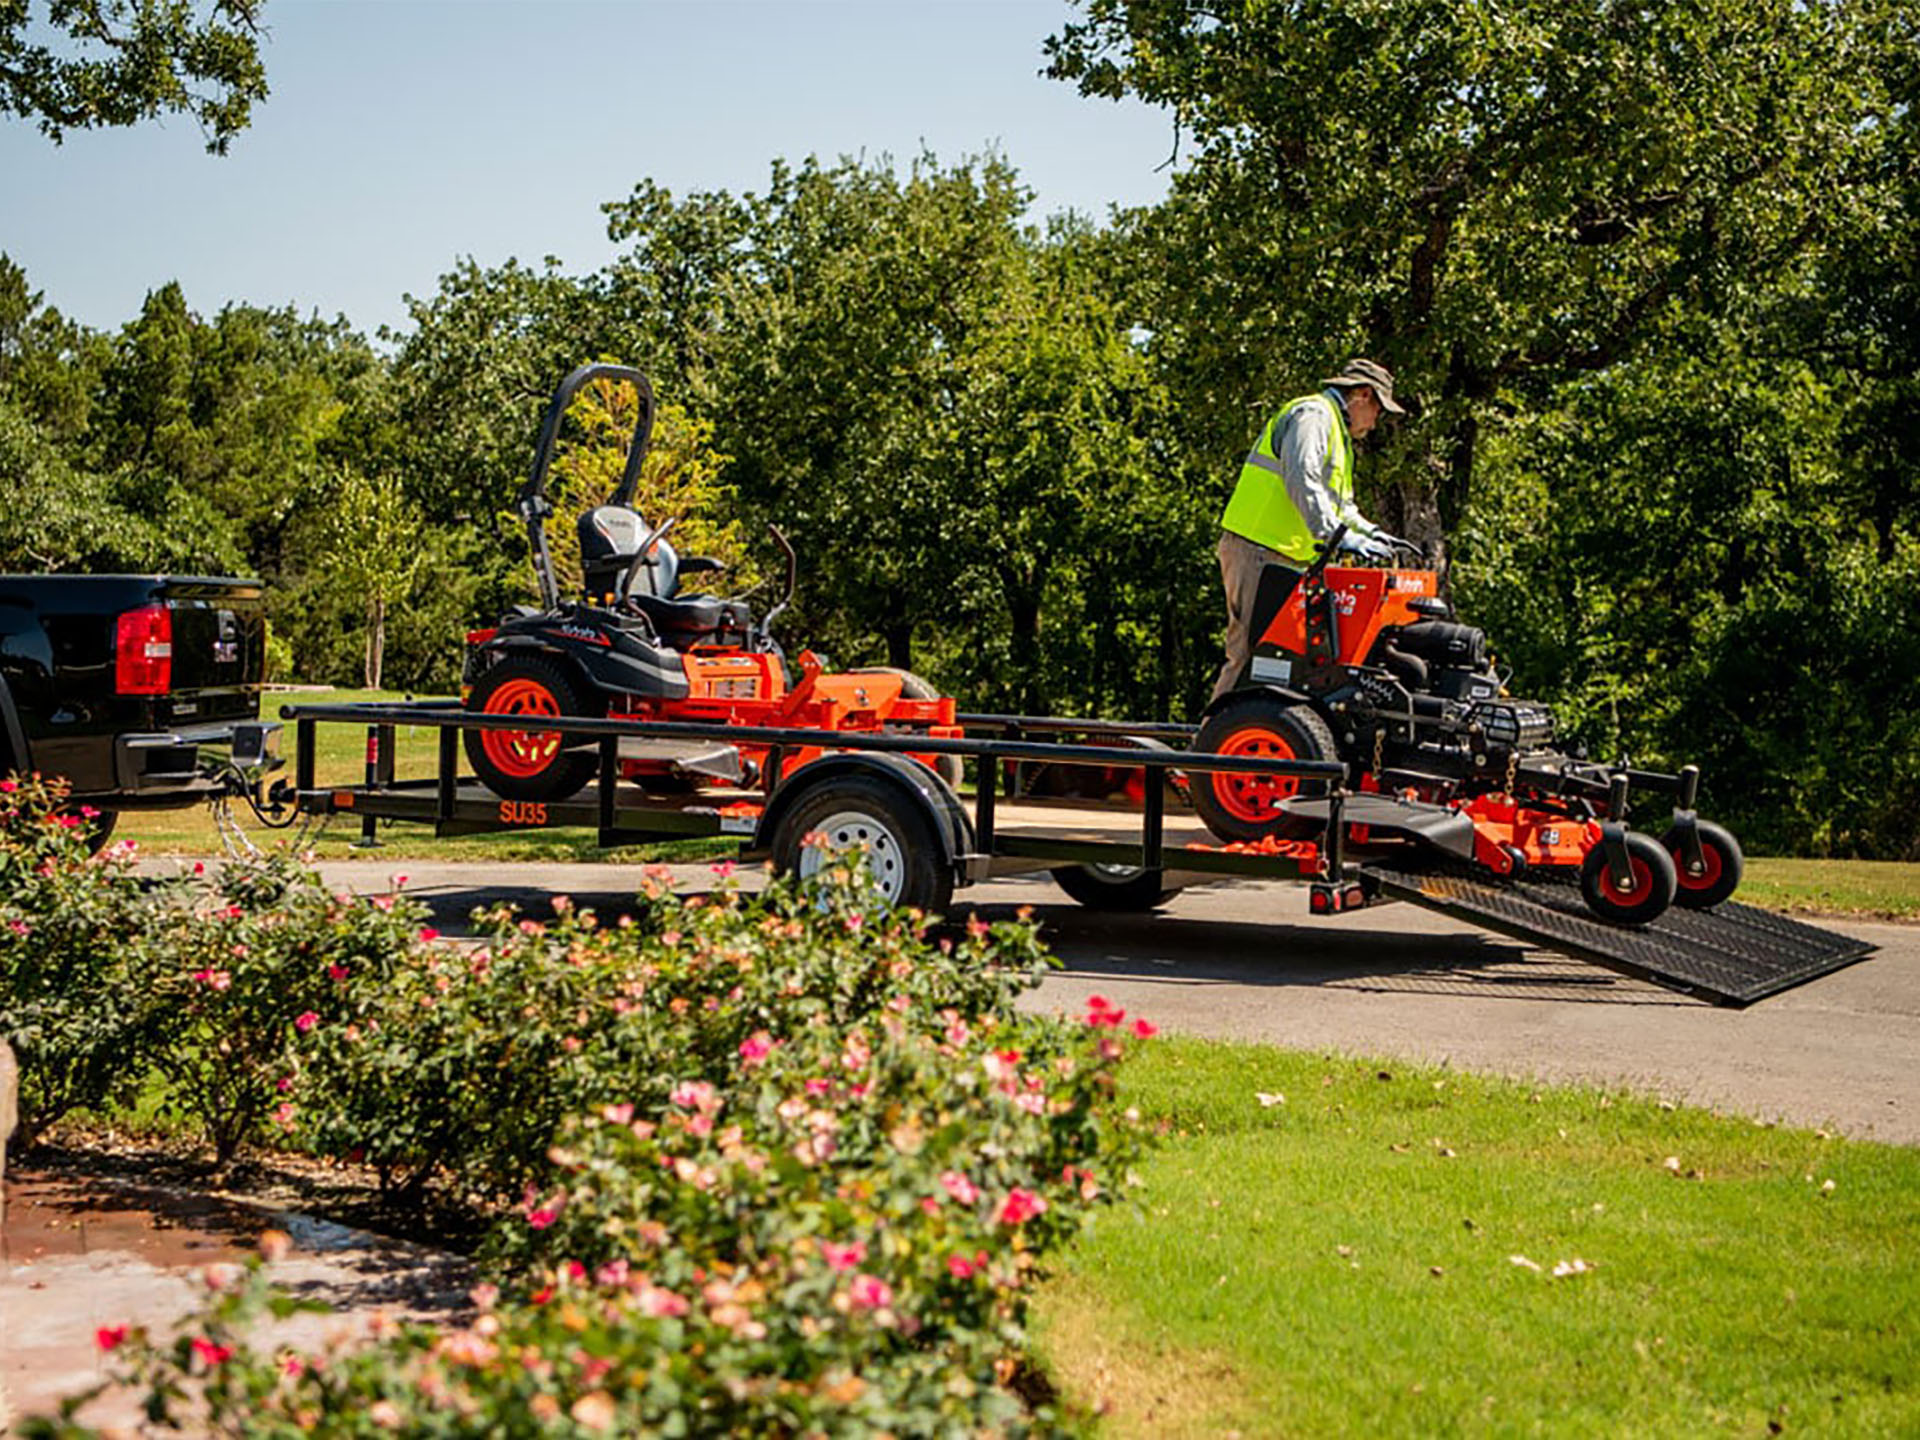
[(1295, 490)]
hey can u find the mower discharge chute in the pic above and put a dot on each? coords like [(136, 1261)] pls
[(635, 646), (1368, 666)]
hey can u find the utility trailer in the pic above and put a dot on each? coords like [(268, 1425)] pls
[(1124, 840)]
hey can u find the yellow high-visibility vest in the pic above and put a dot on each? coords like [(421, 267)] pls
[(1261, 509)]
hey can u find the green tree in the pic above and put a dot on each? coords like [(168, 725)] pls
[(374, 549), (1495, 196), (84, 64)]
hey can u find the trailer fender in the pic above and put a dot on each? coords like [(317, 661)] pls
[(916, 784), (18, 754)]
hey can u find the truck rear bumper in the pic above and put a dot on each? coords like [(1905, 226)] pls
[(169, 767)]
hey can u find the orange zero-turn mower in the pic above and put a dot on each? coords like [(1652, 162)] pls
[(634, 646), (1368, 666)]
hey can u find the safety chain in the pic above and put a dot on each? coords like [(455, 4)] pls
[(1513, 769), (1379, 747)]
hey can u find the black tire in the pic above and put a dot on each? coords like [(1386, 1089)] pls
[(948, 767), (554, 776), (1121, 888), (1725, 864), (1239, 807), (903, 852), (1653, 876)]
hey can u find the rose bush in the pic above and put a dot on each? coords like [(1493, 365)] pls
[(462, 1066), (781, 1164), (77, 952)]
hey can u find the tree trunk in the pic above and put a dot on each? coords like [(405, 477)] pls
[(376, 640), (1023, 607), (899, 637)]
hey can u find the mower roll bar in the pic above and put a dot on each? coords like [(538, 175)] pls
[(532, 504)]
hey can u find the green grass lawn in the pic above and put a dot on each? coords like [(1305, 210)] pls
[(1347, 1262), (1882, 888)]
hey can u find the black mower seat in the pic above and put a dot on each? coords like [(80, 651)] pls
[(695, 619)]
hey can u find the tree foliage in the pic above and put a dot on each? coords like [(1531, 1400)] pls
[(87, 64)]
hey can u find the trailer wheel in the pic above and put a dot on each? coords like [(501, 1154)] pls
[(530, 764), (1242, 807), (948, 767), (1718, 877), (1653, 882), (1125, 888), (850, 811)]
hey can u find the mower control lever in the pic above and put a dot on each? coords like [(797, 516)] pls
[(645, 553)]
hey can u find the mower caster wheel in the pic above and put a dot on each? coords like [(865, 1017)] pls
[(531, 764), (1719, 874), (1519, 859), (866, 812), (1653, 882), (1121, 888)]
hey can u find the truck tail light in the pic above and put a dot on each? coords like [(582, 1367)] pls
[(143, 651)]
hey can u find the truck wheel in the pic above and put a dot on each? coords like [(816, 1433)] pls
[(530, 764), (1653, 882), (1242, 807), (1125, 888), (948, 767), (1718, 877), (903, 853), (99, 828)]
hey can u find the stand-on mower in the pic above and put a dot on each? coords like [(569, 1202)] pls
[(1368, 666), (633, 645)]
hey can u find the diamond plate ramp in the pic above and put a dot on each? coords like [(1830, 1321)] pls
[(1732, 954)]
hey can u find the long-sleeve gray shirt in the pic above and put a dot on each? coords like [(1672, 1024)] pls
[(1304, 447)]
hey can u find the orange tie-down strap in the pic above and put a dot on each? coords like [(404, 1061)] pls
[(1306, 852)]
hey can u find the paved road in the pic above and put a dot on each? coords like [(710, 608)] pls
[(1245, 961)]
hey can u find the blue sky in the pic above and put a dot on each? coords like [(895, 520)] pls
[(403, 134)]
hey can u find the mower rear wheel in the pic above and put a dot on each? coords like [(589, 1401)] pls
[(1651, 868), (1245, 807), (912, 687), (531, 764), (866, 812), (1719, 875), (1122, 888)]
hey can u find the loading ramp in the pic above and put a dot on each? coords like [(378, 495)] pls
[(1732, 954)]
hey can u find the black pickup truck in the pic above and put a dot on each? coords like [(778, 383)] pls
[(137, 689)]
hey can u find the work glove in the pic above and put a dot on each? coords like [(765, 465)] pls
[(1367, 547)]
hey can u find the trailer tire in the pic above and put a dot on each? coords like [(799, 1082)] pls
[(948, 767), (1653, 882), (1725, 864), (904, 855), (1240, 807), (522, 764), (1125, 889)]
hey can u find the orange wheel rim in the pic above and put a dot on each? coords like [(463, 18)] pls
[(1710, 869), (1642, 882), (521, 753), (1255, 798)]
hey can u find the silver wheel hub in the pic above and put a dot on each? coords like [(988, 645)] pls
[(854, 829)]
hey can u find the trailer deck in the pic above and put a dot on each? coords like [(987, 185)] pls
[(1732, 954)]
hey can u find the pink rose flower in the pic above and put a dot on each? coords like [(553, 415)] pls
[(1020, 1206), (869, 1292), (305, 1021), (959, 1187), (107, 1337), (844, 1257)]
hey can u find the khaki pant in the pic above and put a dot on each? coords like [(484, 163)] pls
[(1241, 564)]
